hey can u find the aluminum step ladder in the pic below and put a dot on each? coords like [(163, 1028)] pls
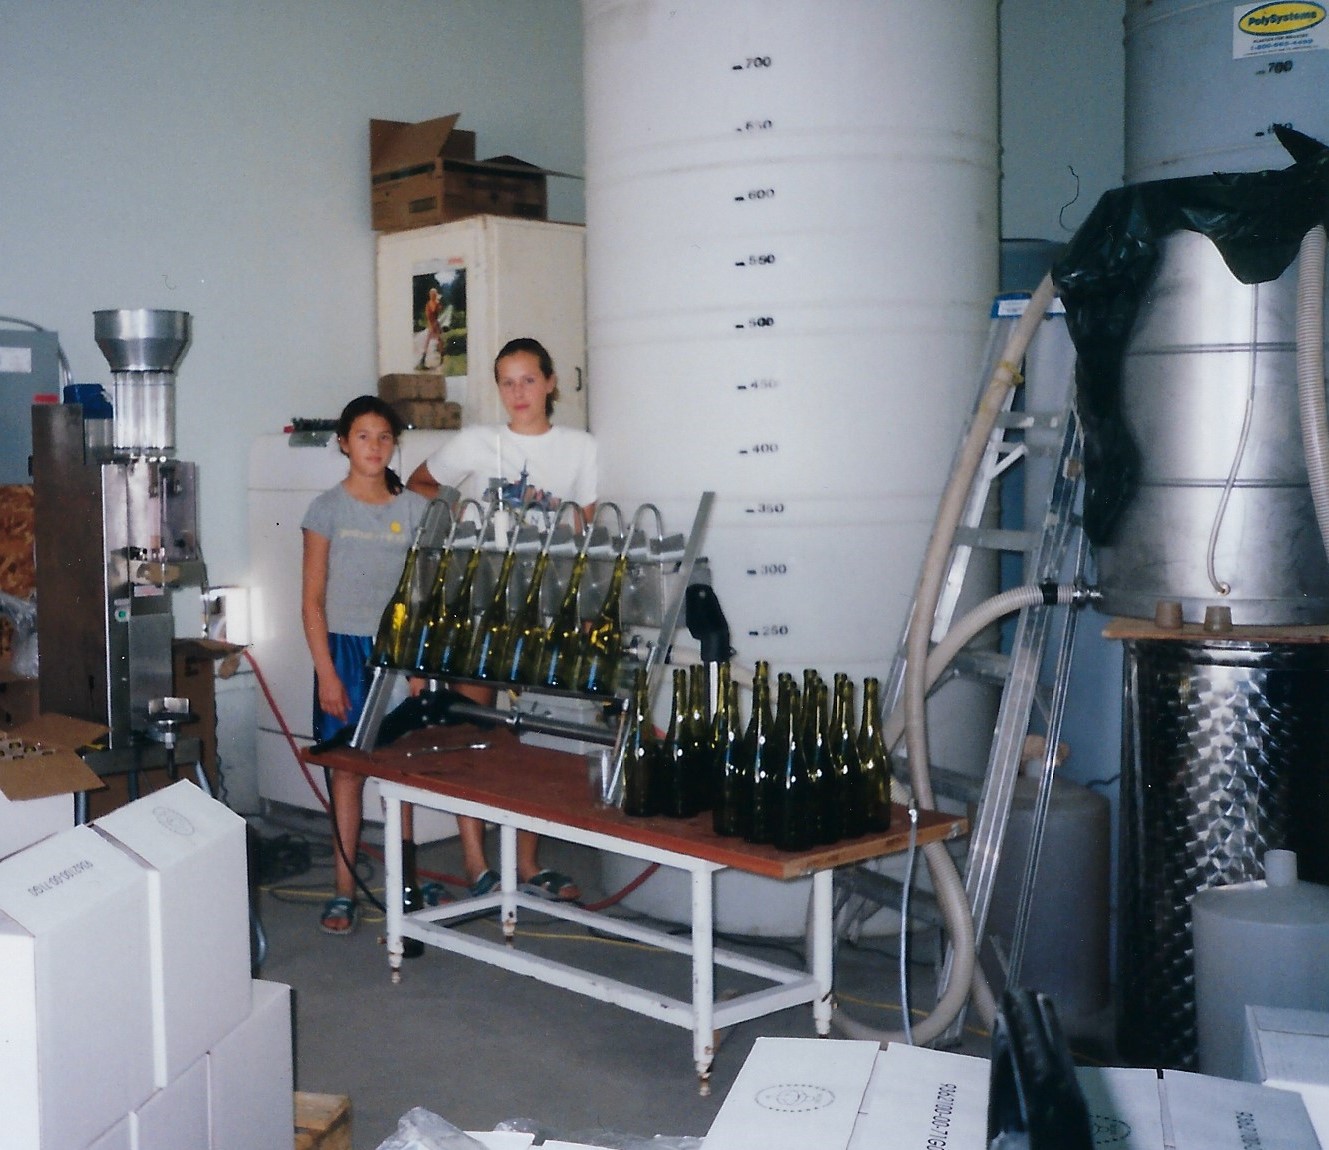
[(1055, 553)]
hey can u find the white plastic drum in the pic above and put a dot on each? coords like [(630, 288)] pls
[(791, 251), (1206, 83)]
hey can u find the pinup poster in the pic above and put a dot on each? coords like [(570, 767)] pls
[(438, 320)]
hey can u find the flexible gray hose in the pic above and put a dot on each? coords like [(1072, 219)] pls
[(1310, 373), (946, 881)]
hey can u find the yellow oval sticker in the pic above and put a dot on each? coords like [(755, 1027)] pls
[(394, 527), (1281, 17)]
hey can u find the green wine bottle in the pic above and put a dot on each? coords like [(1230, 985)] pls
[(697, 736), (527, 626), (817, 748), (602, 643), (641, 755), (394, 625), (556, 661), (490, 633), (433, 611), (412, 896), (795, 823), (726, 759), (447, 645), (847, 792), (758, 756), (678, 794), (874, 762)]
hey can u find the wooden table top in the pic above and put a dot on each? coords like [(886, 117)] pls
[(554, 785)]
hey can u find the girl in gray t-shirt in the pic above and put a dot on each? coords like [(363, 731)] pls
[(356, 536)]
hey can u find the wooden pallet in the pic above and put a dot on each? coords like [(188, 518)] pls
[(322, 1121)]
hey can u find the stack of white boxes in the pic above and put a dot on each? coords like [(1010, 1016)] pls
[(131, 1021)]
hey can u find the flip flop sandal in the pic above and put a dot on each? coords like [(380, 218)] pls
[(340, 916), (483, 884), (434, 894), (551, 885)]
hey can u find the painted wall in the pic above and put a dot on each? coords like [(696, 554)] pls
[(1062, 95), (213, 157)]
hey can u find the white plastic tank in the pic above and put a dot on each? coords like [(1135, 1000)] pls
[(1206, 83), (791, 252), (1257, 944)]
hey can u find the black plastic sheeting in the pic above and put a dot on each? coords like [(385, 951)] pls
[(1256, 220)]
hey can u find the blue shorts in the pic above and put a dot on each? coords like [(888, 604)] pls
[(350, 655)]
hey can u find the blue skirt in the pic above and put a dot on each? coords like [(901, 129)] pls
[(350, 655)]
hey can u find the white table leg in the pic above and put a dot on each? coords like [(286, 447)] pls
[(507, 873), (822, 945), (703, 977), (392, 882)]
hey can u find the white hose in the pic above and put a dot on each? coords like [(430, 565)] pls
[(1310, 373), (946, 882)]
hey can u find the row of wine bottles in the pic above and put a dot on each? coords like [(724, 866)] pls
[(458, 634), (800, 777)]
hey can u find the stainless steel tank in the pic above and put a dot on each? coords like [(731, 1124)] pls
[(1226, 755), (1223, 514), (143, 346)]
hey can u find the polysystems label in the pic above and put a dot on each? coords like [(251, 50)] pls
[(1279, 26)]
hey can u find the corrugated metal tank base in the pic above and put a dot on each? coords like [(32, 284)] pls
[(1225, 756)]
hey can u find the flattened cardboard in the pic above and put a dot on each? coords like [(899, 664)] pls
[(61, 772)]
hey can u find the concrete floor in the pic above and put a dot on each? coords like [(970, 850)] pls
[(480, 1046)]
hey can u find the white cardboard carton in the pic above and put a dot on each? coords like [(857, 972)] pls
[(926, 1098), (118, 1137), (1289, 1049), (193, 849), (1222, 1114), (76, 1027), (176, 1117), (794, 1093), (251, 1088), (1125, 1107), (27, 821)]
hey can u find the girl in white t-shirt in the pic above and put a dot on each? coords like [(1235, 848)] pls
[(526, 455)]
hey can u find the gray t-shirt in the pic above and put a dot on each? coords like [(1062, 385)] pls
[(369, 542)]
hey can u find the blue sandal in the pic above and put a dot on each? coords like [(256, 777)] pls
[(340, 916), (551, 885), (487, 880)]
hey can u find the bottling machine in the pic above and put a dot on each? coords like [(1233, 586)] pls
[(116, 536)]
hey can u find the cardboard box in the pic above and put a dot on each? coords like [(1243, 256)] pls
[(194, 854), (322, 1121), (18, 701), (434, 415), (76, 1028), (793, 1093), (176, 1117), (251, 1076), (1289, 1049), (412, 385), (38, 778), (195, 666), (925, 1098), (427, 173)]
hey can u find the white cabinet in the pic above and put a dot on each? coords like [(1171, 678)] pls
[(497, 279)]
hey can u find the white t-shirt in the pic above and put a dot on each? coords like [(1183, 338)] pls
[(561, 463)]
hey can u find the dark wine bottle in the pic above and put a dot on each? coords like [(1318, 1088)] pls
[(448, 643), (602, 643), (728, 795), (678, 795), (432, 613), (698, 736), (641, 755), (758, 756), (874, 762), (817, 748), (796, 822), (394, 625), (847, 812), (556, 661), (490, 633), (527, 626)]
